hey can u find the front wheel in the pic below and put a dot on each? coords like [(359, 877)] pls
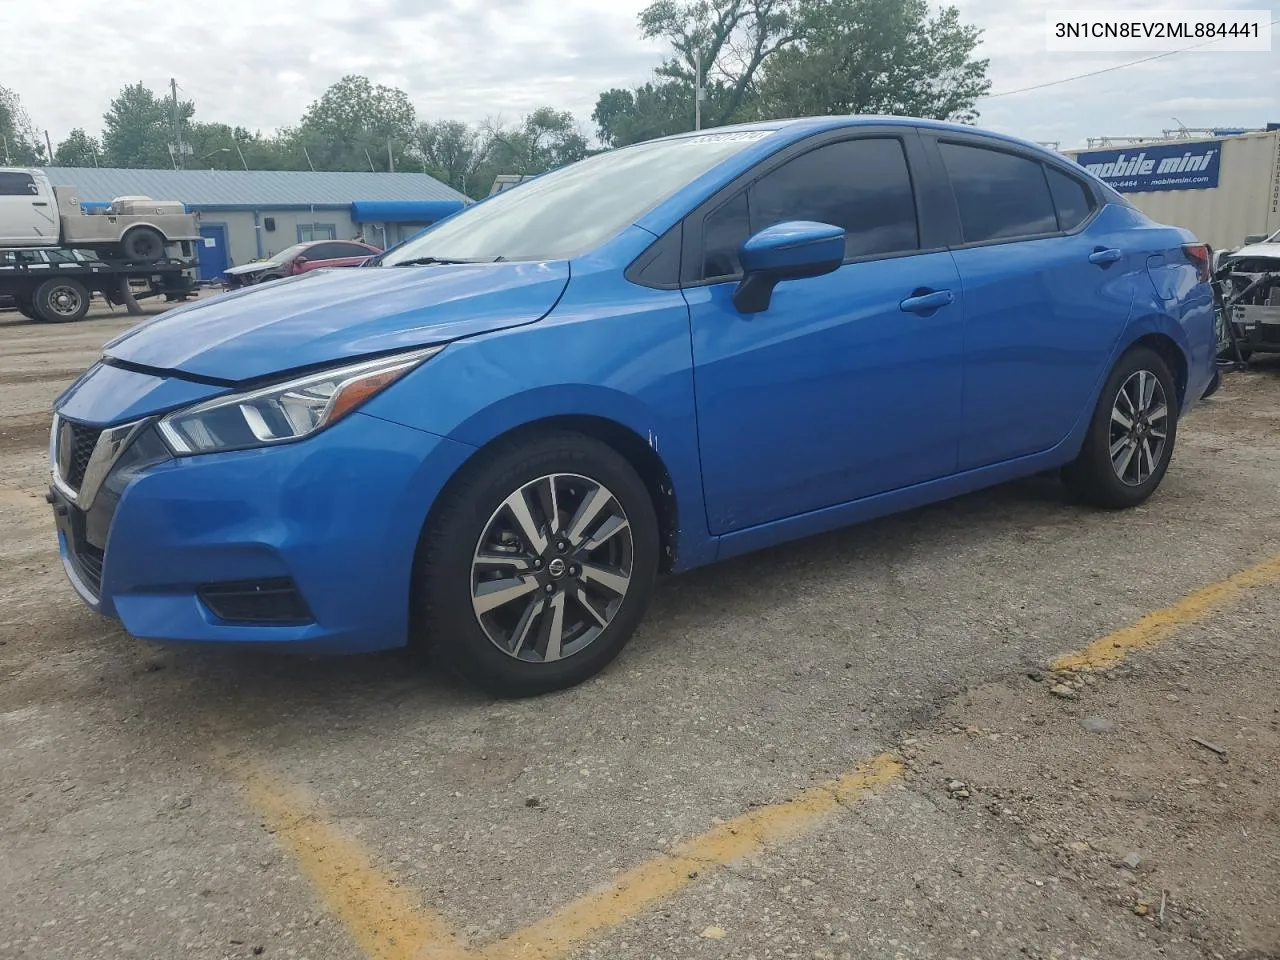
[(1130, 439), (538, 564)]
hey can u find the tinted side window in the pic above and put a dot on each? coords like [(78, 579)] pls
[(861, 185), (724, 231), (344, 250), (1000, 196), (324, 251), (17, 185), (1071, 198)]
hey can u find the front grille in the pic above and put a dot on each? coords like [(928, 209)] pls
[(273, 602), (85, 557), (75, 446), (88, 561)]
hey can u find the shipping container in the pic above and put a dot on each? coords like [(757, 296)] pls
[(1222, 189)]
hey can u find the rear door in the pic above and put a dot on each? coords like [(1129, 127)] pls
[(1047, 294), (28, 216)]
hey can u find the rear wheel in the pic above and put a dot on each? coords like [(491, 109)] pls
[(1130, 440), (60, 300), (26, 307), (538, 565)]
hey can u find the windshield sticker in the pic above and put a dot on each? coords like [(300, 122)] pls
[(742, 136)]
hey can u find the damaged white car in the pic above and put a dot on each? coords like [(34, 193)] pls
[(1248, 292)]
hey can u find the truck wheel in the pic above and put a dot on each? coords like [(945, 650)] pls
[(61, 300), (26, 308), (143, 245)]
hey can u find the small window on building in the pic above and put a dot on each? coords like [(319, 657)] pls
[(316, 231)]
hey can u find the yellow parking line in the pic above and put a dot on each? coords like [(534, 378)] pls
[(386, 921), (389, 923), (660, 877), (1156, 626)]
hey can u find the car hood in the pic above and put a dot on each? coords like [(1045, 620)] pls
[(255, 267), (327, 316)]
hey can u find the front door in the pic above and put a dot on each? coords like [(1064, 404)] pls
[(213, 251), (849, 384)]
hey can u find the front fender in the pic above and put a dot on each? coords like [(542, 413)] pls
[(627, 362)]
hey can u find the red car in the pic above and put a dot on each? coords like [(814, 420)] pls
[(301, 258)]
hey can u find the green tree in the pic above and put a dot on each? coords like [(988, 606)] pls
[(137, 129), (734, 41), (19, 139), (651, 110), (543, 140), (452, 152), (878, 56), (350, 125), (78, 150)]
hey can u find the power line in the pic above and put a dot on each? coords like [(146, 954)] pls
[(1094, 73)]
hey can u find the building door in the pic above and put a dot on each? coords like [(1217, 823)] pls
[(213, 251)]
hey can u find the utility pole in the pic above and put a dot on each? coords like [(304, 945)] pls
[(391, 158), (308, 156), (49, 143), (6, 149), (177, 126), (243, 162), (697, 90)]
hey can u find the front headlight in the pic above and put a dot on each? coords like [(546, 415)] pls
[(284, 411)]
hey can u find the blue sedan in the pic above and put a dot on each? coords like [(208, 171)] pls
[(491, 442)]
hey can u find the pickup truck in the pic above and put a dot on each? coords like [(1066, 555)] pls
[(35, 214)]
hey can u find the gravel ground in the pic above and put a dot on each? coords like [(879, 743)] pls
[(121, 836)]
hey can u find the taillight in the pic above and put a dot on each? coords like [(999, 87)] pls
[(1198, 253)]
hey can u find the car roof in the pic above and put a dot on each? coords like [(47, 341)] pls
[(783, 132), (796, 127)]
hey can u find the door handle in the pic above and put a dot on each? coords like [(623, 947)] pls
[(1105, 255), (924, 302), (39, 203)]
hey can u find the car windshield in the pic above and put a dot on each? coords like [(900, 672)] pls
[(288, 253), (575, 208)]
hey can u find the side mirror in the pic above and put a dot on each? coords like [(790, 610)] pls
[(786, 251), (299, 261)]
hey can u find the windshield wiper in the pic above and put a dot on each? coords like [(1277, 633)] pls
[(425, 261)]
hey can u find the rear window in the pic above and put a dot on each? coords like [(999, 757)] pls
[(1071, 199), (13, 184), (1000, 196)]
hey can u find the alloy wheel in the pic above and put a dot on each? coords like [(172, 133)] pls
[(552, 567), (1139, 428)]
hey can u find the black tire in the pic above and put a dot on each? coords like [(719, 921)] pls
[(1214, 384), (60, 300), (143, 245), (25, 307), (445, 620), (1091, 477)]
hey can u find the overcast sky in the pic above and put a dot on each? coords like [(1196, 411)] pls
[(258, 63)]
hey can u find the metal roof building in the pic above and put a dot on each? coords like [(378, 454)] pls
[(252, 214)]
